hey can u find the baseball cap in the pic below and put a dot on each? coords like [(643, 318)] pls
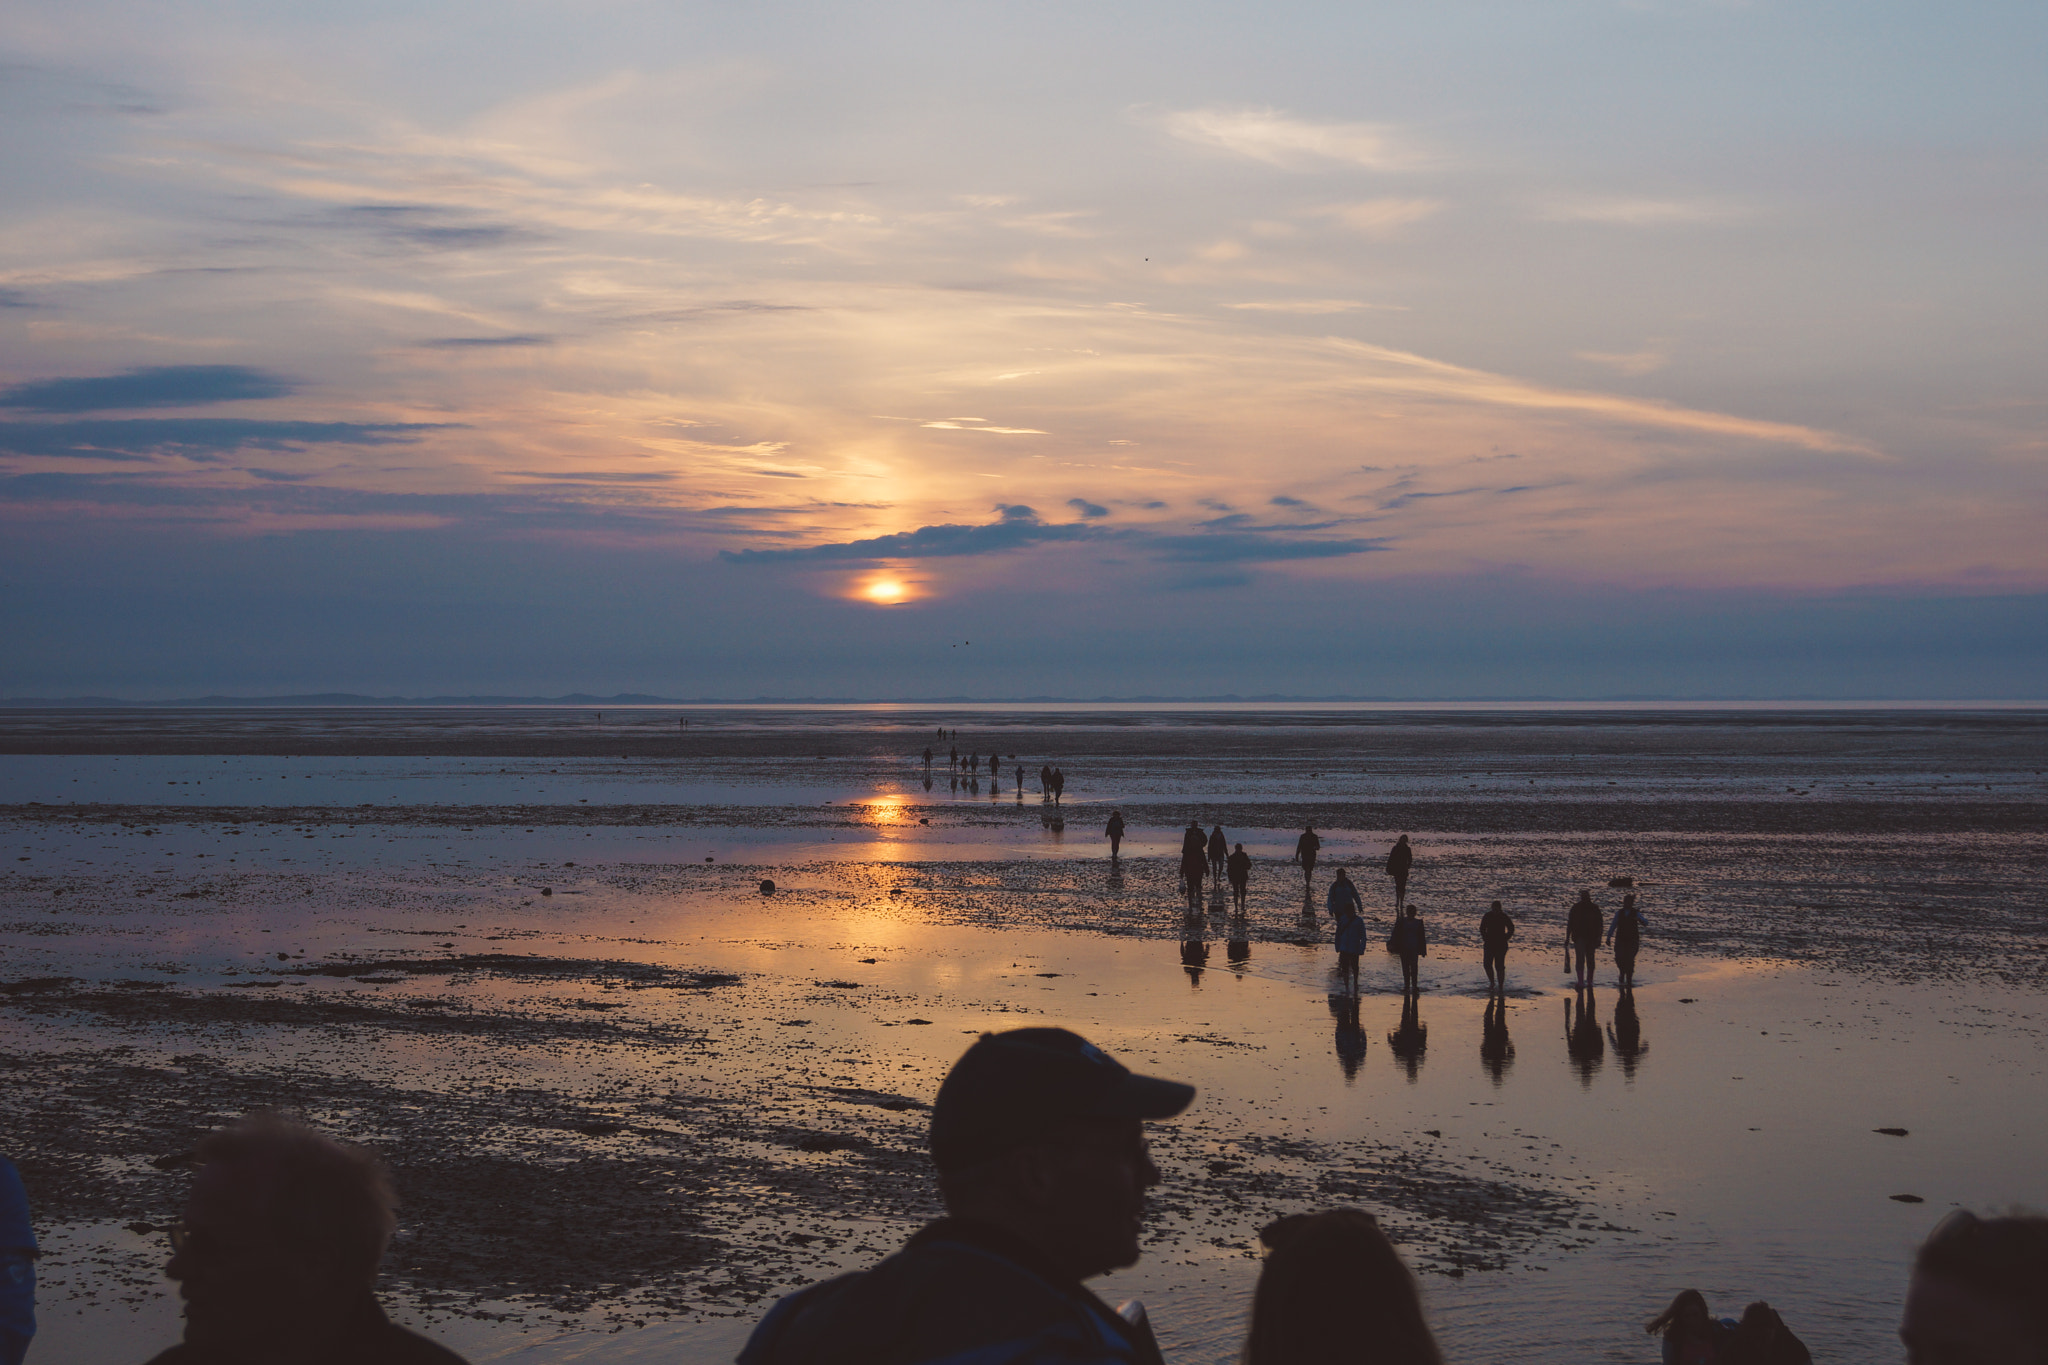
[(1009, 1089)]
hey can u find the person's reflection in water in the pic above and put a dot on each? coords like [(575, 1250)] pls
[(1194, 956), (1496, 1050), (1116, 876), (1582, 1040), (1350, 1039), (927, 781), (1239, 944), (1410, 1037), (1626, 1033)]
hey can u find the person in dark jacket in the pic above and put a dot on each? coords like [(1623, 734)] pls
[(1238, 867), (1626, 936), (1399, 859), (278, 1250), (1410, 941), (1496, 927), (1305, 850), (1039, 1142), (1219, 853), (1114, 829), (1583, 926)]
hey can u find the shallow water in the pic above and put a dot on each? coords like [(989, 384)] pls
[(1806, 983)]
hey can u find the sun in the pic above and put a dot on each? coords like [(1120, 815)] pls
[(886, 591)]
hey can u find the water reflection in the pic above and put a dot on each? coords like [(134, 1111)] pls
[(1410, 1038), (1582, 1040), (1496, 1049), (1239, 944), (1350, 1039), (1194, 956), (1626, 1033)]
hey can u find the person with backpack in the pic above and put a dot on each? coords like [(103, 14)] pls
[(1350, 943), (1496, 927), (1409, 942), (1626, 935), (1239, 869), (1399, 859), (1344, 901)]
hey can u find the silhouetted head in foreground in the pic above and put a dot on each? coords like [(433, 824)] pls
[(279, 1247), (1039, 1133), (1690, 1332), (1979, 1293), (1334, 1290)]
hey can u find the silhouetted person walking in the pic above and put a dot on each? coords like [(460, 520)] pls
[(1626, 934), (1399, 859), (1219, 851), (1410, 942), (1496, 927), (1583, 925), (1239, 868), (1343, 899), (1039, 1142), (276, 1256), (1044, 782), (1305, 850), (1194, 862), (1114, 829), (1350, 942), (1059, 785), (927, 758)]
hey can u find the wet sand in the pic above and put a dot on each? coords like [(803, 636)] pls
[(629, 1099)]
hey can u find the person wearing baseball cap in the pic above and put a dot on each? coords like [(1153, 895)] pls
[(1039, 1141)]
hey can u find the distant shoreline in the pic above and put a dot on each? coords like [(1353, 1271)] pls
[(636, 701)]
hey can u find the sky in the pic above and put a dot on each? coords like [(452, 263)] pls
[(895, 350)]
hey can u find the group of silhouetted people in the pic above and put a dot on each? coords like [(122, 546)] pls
[(1038, 1143), (1052, 783)]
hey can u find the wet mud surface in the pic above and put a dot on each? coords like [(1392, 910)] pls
[(618, 1086)]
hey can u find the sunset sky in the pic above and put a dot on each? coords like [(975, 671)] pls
[(896, 350)]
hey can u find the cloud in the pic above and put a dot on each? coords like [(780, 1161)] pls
[(1018, 528), (416, 225), (195, 438), (977, 424), (1255, 547), (157, 386), (1087, 509), (1382, 217), (1645, 361), (1309, 307), (1280, 139), (1419, 375), (485, 343), (1282, 500), (1638, 212)]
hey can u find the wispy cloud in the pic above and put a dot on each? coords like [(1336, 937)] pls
[(157, 386), (489, 343), (1255, 547), (194, 438), (1310, 307), (1019, 527), (1088, 509), (1645, 361), (1625, 211), (1382, 217), (1281, 139), (1414, 374)]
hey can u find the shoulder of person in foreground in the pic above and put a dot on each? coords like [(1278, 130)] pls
[(392, 1345), (951, 1297)]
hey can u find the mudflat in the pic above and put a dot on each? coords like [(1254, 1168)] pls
[(629, 1098)]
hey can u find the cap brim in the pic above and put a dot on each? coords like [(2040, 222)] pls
[(1143, 1097)]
